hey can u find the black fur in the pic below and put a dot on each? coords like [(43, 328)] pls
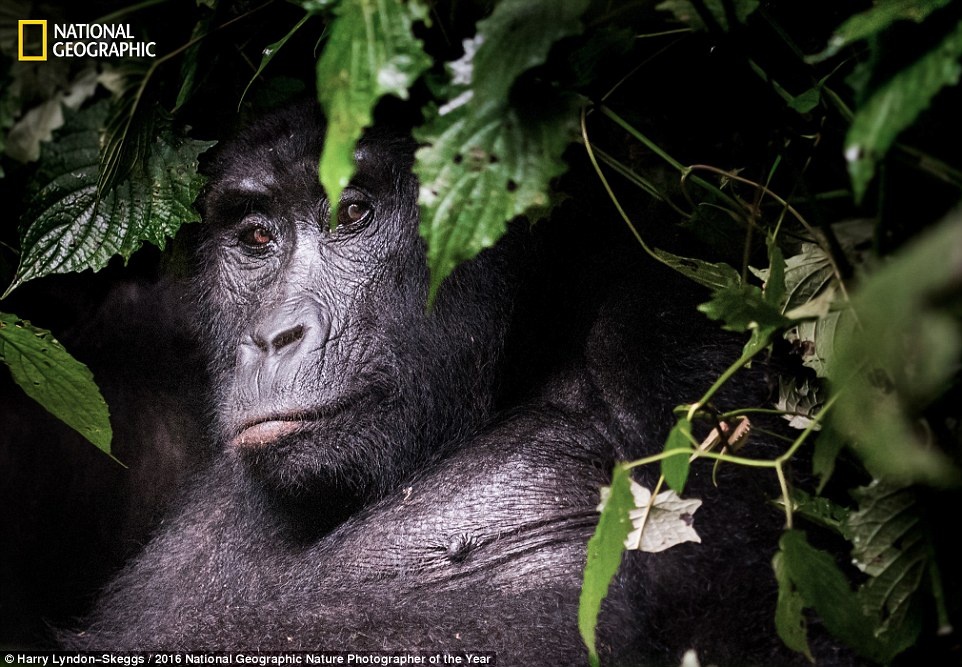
[(71, 516), (438, 486)]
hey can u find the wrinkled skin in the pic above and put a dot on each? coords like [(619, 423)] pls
[(320, 335), (394, 479)]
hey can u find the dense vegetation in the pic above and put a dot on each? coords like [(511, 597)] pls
[(807, 152)]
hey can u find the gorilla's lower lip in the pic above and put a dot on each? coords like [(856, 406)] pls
[(264, 433)]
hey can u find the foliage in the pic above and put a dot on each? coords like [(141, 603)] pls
[(604, 555), (487, 160), (370, 53), (807, 156), (73, 224), (54, 379)]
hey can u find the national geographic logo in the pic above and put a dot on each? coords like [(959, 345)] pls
[(27, 39), (80, 40)]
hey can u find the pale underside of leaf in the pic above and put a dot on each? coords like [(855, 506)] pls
[(662, 522)]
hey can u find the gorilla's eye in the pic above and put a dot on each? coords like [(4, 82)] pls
[(256, 236), (349, 213)]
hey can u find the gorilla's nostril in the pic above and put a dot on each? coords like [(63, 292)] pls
[(287, 337)]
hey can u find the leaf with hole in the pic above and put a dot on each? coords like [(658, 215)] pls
[(713, 275), (661, 522), (480, 168)]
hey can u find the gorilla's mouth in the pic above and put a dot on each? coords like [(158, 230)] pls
[(263, 433), (267, 429)]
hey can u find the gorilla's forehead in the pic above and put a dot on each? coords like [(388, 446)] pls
[(296, 182), (283, 152)]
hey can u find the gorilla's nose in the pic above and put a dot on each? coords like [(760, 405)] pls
[(275, 337), (294, 327)]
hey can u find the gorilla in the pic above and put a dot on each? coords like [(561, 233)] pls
[(70, 516), (397, 478)]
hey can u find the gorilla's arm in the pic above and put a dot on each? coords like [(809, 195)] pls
[(495, 533), (484, 552)]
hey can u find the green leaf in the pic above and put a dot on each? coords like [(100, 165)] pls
[(806, 101), (816, 577), (820, 339), (774, 290), (516, 37), (716, 275), (371, 53), (604, 556), (820, 510), (480, 168), (675, 468), (743, 308), (271, 50), (890, 545), (895, 106), (71, 226), (806, 275), (33, 129), (487, 161), (190, 61), (685, 12), (877, 19), (801, 401), (790, 623), (828, 446), (53, 378), (901, 357), (129, 129), (809, 273)]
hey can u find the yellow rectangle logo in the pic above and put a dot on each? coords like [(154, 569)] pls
[(22, 42)]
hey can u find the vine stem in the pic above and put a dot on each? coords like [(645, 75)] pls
[(777, 464), (688, 174), (607, 186), (685, 172), (764, 189), (722, 379)]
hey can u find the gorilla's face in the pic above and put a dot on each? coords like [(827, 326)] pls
[(328, 369)]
